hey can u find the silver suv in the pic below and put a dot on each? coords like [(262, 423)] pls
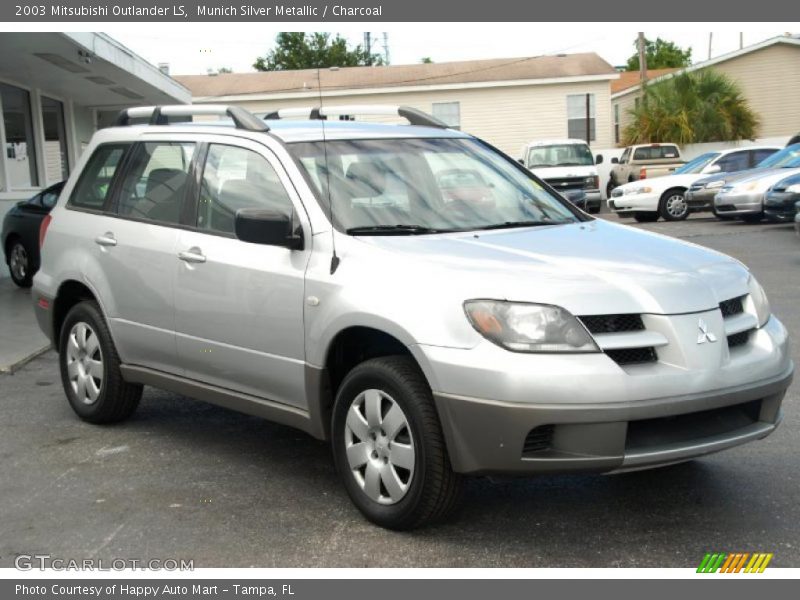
[(405, 291)]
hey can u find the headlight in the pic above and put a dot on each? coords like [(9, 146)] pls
[(760, 302), (715, 184), (794, 188), (750, 186), (641, 190), (523, 327)]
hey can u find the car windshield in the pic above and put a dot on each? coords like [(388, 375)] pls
[(697, 164), (559, 155), (789, 157), (415, 186)]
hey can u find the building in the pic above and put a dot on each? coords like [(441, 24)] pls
[(55, 90), (508, 102), (768, 74)]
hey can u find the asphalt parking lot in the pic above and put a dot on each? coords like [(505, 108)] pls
[(184, 479)]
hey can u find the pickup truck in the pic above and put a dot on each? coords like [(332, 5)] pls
[(643, 161)]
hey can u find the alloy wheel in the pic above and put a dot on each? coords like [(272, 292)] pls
[(380, 446), (84, 360), (18, 261)]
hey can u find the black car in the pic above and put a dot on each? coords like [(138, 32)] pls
[(21, 233), (781, 198)]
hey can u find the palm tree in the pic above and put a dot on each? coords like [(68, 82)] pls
[(704, 106)]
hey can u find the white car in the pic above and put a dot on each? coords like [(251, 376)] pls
[(648, 199)]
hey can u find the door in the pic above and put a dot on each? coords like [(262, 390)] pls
[(138, 246), (239, 306)]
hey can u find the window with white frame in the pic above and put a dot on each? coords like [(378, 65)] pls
[(576, 117), (18, 143), (56, 167), (449, 113)]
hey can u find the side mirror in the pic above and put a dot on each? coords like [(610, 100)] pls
[(598, 160), (714, 169), (520, 161), (615, 161), (267, 227)]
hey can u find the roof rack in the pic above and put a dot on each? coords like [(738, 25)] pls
[(159, 115), (412, 115)]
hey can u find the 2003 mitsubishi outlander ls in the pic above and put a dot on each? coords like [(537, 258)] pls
[(406, 291)]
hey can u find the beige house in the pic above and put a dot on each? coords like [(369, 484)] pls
[(768, 73), (508, 102)]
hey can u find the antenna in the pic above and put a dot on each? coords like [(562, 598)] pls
[(334, 257)]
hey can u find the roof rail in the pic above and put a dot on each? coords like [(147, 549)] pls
[(159, 115), (412, 115)]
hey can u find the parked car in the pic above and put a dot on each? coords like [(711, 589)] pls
[(20, 235), (666, 196), (643, 161), (569, 167), (744, 198), (797, 219), (781, 198), (700, 195), (319, 274)]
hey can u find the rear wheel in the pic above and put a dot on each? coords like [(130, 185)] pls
[(19, 264), (388, 445), (90, 370), (673, 205), (646, 217)]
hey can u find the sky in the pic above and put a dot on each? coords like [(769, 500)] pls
[(196, 48)]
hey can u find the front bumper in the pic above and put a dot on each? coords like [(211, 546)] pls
[(529, 414), (701, 200), (751, 203), (780, 206), (633, 203)]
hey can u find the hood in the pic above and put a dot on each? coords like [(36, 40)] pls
[(593, 267), (563, 172), (762, 180)]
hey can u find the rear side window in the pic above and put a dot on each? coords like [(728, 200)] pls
[(735, 161), (236, 178), (155, 182), (94, 183), (759, 155)]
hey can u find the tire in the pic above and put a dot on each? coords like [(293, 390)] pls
[(90, 370), (422, 487), (609, 188), (757, 218), (673, 206), (646, 217), (20, 264)]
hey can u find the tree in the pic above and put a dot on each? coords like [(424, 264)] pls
[(660, 54), (426, 60), (704, 106), (298, 50)]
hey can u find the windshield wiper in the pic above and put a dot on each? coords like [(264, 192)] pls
[(511, 224), (399, 229)]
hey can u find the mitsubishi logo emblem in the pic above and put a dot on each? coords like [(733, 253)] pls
[(705, 335)]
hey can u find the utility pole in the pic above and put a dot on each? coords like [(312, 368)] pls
[(368, 46), (640, 43), (710, 38), (386, 47), (741, 40)]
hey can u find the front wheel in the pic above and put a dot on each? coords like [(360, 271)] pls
[(673, 205), (388, 445), (90, 370)]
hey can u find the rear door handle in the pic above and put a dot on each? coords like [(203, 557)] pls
[(107, 239), (192, 255)]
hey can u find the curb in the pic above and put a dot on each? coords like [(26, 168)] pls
[(13, 367)]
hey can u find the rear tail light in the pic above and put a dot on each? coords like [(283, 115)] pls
[(643, 173), (43, 229)]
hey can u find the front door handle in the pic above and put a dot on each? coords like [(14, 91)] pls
[(107, 239), (192, 255)]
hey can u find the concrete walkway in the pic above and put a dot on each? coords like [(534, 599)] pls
[(20, 336)]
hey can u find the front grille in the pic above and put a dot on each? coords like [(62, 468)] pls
[(725, 207), (567, 183), (739, 339), (661, 432), (539, 439), (612, 323), (731, 307), (633, 356)]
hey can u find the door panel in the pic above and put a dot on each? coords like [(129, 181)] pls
[(239, 306)]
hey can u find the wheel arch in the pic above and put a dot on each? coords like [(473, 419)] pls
[(69, 293)]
